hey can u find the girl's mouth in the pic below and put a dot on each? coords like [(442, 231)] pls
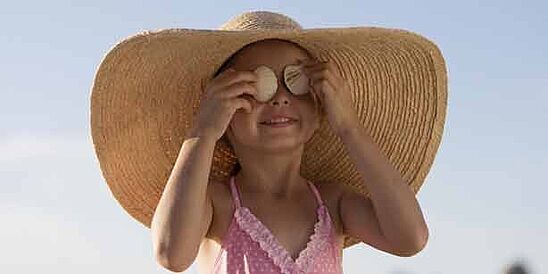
[(279, 124)]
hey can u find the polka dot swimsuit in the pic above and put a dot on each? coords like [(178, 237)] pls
[(250, 247)]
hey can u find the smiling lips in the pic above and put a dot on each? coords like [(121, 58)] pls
[(279, 124), (278, 120)]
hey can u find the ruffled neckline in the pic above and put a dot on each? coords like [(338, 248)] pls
[(318, 241)]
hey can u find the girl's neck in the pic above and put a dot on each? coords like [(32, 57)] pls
[(288, 184)]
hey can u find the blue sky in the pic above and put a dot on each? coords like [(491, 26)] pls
[(484, 199)]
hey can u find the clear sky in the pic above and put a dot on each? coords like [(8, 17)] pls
[(484, 199)]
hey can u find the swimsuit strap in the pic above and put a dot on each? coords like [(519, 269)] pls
[(235, 194), (316, 192)]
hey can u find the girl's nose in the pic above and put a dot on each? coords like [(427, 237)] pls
[(282, 96), (277, 101)]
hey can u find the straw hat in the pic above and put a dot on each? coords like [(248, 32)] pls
[(147, 89)]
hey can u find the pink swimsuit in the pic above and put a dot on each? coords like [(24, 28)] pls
[(250, 247)]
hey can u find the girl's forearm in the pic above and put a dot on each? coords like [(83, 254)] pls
[(396, 207), (183, 212)]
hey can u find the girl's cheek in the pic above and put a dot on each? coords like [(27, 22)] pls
[(311, 100)]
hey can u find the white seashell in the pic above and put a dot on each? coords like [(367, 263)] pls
[(267, 83), (296, 80)]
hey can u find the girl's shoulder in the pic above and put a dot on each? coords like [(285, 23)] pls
[(223, 207), (219, 191), (330, 191)]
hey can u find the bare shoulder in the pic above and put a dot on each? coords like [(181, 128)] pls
[(335, 191), (342, 199), (331, 193), (219, 193), (215, 186), (360, 220), (221, 201)]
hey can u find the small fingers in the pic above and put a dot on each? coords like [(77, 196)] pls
[(239, 89), (242, 103), (312, 63), (231, 76)]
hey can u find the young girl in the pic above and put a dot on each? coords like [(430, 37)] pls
[(288, 206), (268, 218)]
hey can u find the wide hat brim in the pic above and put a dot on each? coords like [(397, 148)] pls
[(147, 90)]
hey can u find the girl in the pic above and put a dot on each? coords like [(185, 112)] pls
[(268, 218), (295, 129)]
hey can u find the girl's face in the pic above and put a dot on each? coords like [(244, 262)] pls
[(249, 129)]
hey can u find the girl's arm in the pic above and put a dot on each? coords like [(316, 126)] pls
[(184, 212), (391, 218)]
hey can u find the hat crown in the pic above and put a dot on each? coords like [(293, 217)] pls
[(260, 20)]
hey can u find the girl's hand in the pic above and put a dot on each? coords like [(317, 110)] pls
[(334, 94), (223, 96)]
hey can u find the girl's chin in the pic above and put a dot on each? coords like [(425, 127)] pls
[(281, 148), (276, 143)]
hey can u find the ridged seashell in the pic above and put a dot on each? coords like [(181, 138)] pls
[(296, 80), (267, 83)]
